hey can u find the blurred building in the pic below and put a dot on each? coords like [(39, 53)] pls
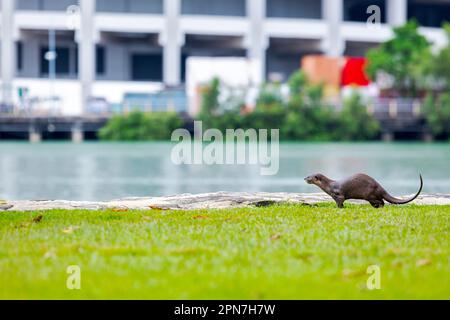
[(111, 48)]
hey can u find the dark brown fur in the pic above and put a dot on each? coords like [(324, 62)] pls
[(360, 186)]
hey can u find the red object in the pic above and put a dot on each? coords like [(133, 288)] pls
[(353, 73)]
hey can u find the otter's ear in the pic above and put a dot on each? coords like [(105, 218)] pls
[(317, 177)]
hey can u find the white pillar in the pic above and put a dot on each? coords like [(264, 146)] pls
[(86, 50), (333, 11), (8, 51), (77, 132), (256, 39), (397, 12), (34, 134), (172, 40)]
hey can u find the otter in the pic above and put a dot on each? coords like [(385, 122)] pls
[(360, 186)]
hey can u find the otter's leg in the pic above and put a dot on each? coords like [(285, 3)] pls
[(377, 204), (339, 202)]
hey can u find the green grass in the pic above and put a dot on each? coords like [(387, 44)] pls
[(279, 252)]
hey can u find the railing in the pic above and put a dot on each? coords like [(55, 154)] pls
[(39, 98), (386, 108), (63, 97), (304, 9), (166, 100), (38, 5), (214, 7), (130, 6)]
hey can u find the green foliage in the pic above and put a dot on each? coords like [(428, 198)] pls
[(228, 120), (297, 82), (303, 116), (210, 104), (436, 108), (439, 66), (307, 116), (437, 114), (269, 112), (139, 126), (308, 124), (269, 97), (402, 58), (354, 121), (265, 119), (210, 98)]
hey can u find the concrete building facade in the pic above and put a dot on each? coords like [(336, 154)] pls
[(100, 44)]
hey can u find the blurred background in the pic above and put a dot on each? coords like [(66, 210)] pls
[(70, 69)]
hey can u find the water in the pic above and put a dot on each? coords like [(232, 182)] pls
[(104, 171)]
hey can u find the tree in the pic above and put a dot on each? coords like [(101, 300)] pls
[(210, 98), (402, 59), (269, 97), (439, 65), (210, 103), (141, 126), (436, 108), (354, 121), (304, 115), (297, 83), (270, 110), (307, 117), (437, 114)]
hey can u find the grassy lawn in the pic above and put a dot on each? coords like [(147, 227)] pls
[(279, 252)]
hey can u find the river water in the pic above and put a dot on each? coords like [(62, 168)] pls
[(105, 171)]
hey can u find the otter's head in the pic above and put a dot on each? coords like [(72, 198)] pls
[(317, 179)]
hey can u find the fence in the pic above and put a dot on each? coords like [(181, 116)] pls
[(395, 108), (63, 98)]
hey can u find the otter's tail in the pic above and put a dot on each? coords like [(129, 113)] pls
[(393, 200)]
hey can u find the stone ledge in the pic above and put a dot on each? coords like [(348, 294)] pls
[(217, 200)]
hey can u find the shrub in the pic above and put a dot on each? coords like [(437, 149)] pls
[(437, 114), (354, 121), (307, 117), (303, 116), (141, 126)]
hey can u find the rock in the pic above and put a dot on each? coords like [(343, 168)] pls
[(4, 207), (217, 200)]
